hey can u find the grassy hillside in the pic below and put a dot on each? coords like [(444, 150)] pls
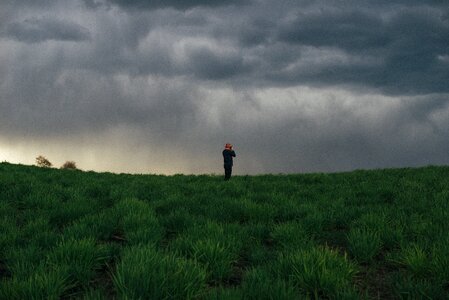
[(379, 234)]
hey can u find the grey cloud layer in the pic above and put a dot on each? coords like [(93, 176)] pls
[(182, 4), (39, 30), (391, 46), (156, 4), (272, 77)]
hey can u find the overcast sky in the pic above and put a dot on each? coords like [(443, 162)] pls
[(153, 86)]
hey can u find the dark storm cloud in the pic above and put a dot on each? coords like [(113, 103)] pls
[(349, 30), (295, 85), (34, 3), (406, 44), (39, 30), (182, 4), (155, 4), (206, 64), (419, 38), (393, 47), (247, 33)]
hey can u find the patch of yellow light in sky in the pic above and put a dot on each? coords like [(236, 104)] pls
[(8, 155), (17, 153), (101, 158)]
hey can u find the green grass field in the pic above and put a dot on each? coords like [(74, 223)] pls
[(381, 234)]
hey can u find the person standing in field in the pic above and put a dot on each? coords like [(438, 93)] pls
[(228, 154)]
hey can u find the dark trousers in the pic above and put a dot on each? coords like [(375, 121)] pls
[(228, 172)]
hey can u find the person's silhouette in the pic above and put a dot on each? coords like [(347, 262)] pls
[(228, 154)]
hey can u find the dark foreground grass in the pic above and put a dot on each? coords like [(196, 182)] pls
[(379, 234)]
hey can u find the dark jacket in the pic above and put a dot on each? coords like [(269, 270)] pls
[(227, 156)]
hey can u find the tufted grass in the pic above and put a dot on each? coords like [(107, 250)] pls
[(379, 234), (145, 273)]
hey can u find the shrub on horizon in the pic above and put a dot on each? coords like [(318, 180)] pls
[(71, 165), (43, 162)]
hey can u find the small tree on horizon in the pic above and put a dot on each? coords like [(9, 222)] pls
[(43, 162), (69, 165)]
